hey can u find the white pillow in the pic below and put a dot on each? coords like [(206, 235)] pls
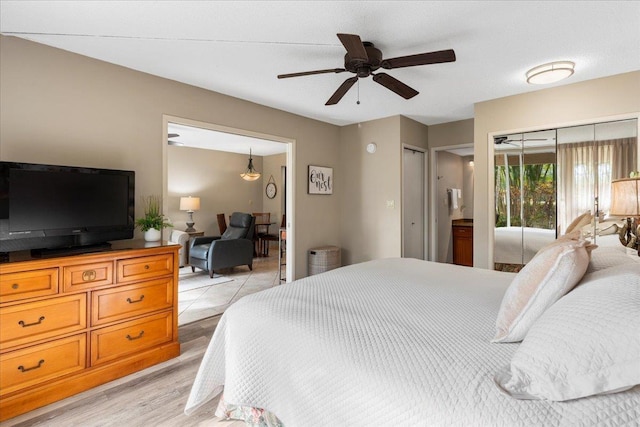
[(610, 256), (588, 343), (552, 272)]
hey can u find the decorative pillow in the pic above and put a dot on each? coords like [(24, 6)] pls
[(579, 222), (611, 256), (588, 343), (552, 272)]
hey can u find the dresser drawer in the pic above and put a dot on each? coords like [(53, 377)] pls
[(130, 337), (109, 305), (86, 276), (144, 267), (29, 322), (28, 284), (33, 365)]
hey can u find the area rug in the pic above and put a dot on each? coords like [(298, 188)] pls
[(189, 281)]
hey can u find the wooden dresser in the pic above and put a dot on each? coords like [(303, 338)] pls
[(70, 323), (462, 231)]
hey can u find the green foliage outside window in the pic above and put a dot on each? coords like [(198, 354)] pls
[(537, 207)]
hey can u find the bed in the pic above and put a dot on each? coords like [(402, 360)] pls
[(385, 342), (518, 245)]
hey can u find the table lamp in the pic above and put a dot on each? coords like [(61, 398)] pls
[(625, 201), (190, 204)]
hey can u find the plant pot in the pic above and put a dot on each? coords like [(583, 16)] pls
[(152, 235)]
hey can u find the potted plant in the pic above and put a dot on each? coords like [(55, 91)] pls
[(153, 221)]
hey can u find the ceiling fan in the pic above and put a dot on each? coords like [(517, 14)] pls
[(499, 140), (362, 58), (174, 135)]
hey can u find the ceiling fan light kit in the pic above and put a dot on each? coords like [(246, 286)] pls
[(363, 58), (550, 73)]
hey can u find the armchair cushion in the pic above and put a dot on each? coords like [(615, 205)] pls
[(239, 227)]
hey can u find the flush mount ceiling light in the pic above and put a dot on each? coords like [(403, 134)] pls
[(550, 73)]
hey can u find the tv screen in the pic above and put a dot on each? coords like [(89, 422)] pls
[(50, 206)]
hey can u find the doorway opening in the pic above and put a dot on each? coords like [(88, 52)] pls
[(451, 190), (205, 160)]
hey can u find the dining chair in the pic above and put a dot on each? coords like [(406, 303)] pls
[(272, 237), (263, 221), (222, 223)]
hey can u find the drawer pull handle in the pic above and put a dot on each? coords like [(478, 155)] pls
[(89, 275), (130, 301), (130, 338), (24, 325), (146, 267), (23, 369), (15, 286)]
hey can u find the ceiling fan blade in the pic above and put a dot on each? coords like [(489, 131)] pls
[(420, 59), (309, 73), (354, 46), (342, 90), (395, 85)]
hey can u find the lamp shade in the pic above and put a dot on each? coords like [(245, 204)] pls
[(189, 203), (625, 197)]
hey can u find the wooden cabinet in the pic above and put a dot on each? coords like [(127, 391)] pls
[(70, 323), (462, 231)]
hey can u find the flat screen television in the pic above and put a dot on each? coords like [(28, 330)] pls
[(50, 207)]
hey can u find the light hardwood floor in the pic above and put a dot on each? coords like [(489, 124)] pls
[(153, 397)]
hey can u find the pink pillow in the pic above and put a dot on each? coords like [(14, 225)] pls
[(553, 272)]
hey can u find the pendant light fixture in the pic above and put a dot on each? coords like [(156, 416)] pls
[(251, 174)]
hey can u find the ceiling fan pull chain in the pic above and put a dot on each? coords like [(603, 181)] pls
[(358, 101)]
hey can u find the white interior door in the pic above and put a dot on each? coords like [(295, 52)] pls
[(413, 222)]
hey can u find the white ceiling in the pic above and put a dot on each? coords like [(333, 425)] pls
[(195, 137), (238, 48)]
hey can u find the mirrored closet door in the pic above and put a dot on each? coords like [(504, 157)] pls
[(589, 158), (525, 196), (546, 179)]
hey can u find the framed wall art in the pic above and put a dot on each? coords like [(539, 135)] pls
[(320, 180)]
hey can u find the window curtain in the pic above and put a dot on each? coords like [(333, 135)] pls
[(586, 169)]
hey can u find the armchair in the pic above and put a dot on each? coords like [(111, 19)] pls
[(233, 248), (180, 238)]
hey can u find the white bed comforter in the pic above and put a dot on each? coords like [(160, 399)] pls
[(395, 342), (518, 245)]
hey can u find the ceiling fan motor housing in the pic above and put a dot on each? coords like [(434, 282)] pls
[(364, 68)]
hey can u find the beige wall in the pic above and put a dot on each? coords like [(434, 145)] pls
[(214, 176), (369, 229), (582, 102), (272, 165), (452, 133), (413, 133), (63, 108)]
